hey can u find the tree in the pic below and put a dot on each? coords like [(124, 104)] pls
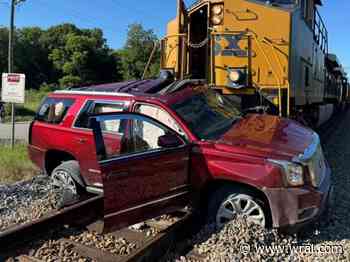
[(80, 56), (31, 56), (136, 52), (69, 56), (3, 49)]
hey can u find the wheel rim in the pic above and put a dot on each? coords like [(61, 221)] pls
[(62, 179), (240, 205)]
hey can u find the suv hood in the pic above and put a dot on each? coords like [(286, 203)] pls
[(267, 136)]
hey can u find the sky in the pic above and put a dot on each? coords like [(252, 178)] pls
[(114, 16)]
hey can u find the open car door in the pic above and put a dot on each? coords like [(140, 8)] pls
[(146, 174), (174, 47)]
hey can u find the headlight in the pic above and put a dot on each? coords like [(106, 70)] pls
[(217, 9), (217, 20), (293, 172), (217, 14), (236, 76)]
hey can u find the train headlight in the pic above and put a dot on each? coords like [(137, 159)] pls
[(217, 9), (217, 14), (235, 76), (217, 20), (293, 172)]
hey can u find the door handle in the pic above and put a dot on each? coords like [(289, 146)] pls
[(81, 140)]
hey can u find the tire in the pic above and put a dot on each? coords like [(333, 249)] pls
[(229, 198), (65, 176)]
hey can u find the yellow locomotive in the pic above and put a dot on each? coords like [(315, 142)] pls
[(273, 54)]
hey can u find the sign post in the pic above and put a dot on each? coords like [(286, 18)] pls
[(13, 91)]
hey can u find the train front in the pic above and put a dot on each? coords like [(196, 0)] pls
[(263, 51)]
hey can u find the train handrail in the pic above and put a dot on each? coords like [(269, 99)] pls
[(273, 49)]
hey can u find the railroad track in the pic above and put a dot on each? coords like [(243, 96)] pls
[(21, 243)]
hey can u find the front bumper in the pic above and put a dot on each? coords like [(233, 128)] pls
[(294, 207)]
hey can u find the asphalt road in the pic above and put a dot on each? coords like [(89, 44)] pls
[(21, 131)]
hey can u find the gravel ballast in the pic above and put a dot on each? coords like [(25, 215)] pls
[(28, 201)]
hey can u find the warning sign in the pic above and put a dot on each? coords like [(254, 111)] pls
[(13, 88)]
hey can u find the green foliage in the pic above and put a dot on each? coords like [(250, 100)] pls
[(66, 55), (60, 54), (70, 81), (137, 50)]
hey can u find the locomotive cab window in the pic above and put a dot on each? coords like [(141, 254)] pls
[(308, 10), (199, 43)]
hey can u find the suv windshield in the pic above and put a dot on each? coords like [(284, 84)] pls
[(208, 114)]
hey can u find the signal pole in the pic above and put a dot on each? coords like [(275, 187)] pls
[(10, 65)]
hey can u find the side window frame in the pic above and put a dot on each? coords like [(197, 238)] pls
[(183, 135), (124, 105), (71, 102), (101, 152)]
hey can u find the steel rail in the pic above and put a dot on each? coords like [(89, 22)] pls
[(82, 212)]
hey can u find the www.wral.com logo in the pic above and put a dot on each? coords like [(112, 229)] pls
[(309, 249)]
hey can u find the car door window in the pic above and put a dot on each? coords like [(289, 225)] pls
[(53, 110), (97, 107), (143, 136), (159, 114), (113, 126)]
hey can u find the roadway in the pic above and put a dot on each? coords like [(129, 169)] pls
[(22, 130)]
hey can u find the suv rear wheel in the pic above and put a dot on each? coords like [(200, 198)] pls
[(229, 201), (63, 176)]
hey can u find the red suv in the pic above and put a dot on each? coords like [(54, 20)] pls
[(151, 150)]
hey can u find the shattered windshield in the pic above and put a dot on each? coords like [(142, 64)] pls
[(208, 114)]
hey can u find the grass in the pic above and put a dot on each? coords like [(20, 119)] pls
[(27, 111), (15, 164)]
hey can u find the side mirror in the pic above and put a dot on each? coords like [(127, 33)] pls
[(169, 140)]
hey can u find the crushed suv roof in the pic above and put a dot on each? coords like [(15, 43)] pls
[(160, 88), (149, 86)]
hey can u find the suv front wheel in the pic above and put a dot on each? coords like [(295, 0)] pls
[(63, 176), (229, 201)]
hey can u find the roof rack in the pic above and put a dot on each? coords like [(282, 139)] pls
[(72, 92)]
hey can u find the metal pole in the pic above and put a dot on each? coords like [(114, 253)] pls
[(150, 59), (10, 66)]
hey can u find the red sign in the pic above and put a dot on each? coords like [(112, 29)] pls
[(13, 78)]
